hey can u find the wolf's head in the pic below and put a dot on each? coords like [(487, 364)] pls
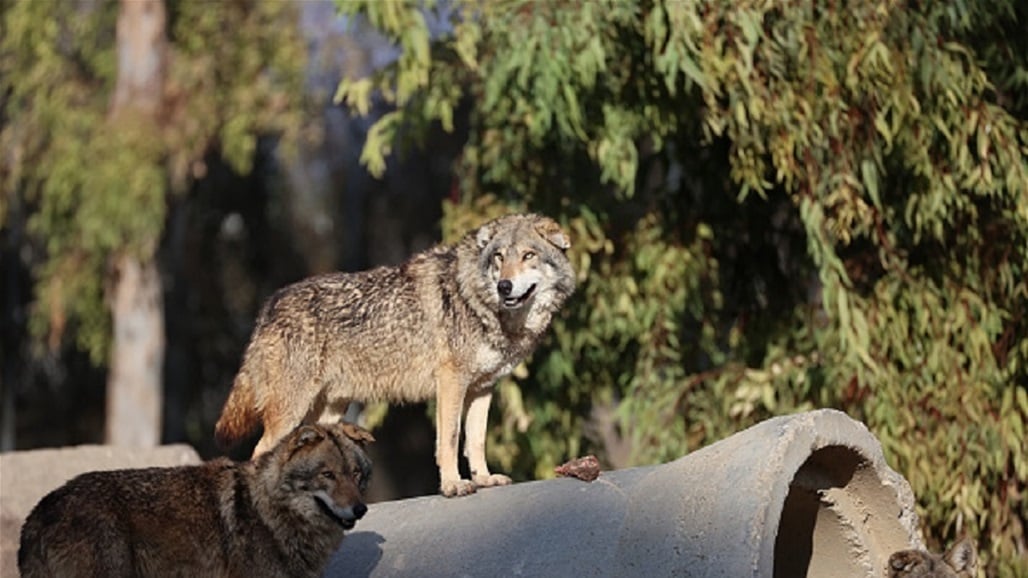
[(960, 561), (524, 258), (321, 472)]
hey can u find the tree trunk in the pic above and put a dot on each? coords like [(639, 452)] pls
[(142, 56), (137, 307), (137, 358)]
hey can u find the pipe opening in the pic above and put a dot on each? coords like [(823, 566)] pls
[(839, 518)]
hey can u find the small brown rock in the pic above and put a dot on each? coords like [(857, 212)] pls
[(586, 468)]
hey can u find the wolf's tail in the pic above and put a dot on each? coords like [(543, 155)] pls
[(239, 418)]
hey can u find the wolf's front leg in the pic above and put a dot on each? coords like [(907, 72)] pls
[(448, 405), (474, 441)]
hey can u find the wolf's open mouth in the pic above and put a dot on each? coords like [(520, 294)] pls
[(515, 302)]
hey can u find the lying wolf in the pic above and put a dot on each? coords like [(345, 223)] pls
[(281, 515), (446, 323), (960, 561)]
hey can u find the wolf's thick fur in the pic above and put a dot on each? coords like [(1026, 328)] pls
[(281, 515), (960, 561), (446, 323)]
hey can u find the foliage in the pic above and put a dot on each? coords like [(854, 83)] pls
[(774, 206), (96, 186)]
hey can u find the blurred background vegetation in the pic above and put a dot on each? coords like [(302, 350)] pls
[(774, 207)]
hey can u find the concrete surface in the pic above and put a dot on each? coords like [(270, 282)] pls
[(802, 495), (25, 477)]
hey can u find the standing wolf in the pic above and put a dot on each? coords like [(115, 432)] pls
[(282, 514), (446, 323)]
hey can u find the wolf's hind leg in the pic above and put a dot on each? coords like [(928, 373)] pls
[(285, 412), (334, 411), (474, 441)]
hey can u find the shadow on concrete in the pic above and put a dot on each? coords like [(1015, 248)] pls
[(363, 553)]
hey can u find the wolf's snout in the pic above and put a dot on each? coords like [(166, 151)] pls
[(504, 287), (352, 513), (345, 515)]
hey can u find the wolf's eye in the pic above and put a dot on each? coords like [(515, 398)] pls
[(497, 258), (328, 475), (528, 256)]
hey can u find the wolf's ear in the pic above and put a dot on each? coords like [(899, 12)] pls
[(485, 234), (963, 556), (551, 231), (306, 435), (356, 433), (904, 561)]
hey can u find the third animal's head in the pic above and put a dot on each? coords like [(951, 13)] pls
[(525, 260), (960, 561)]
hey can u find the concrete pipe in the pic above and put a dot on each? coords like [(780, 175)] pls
[(801, 495)]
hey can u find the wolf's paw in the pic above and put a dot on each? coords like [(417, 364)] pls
[(490, 480), (454, 488)]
